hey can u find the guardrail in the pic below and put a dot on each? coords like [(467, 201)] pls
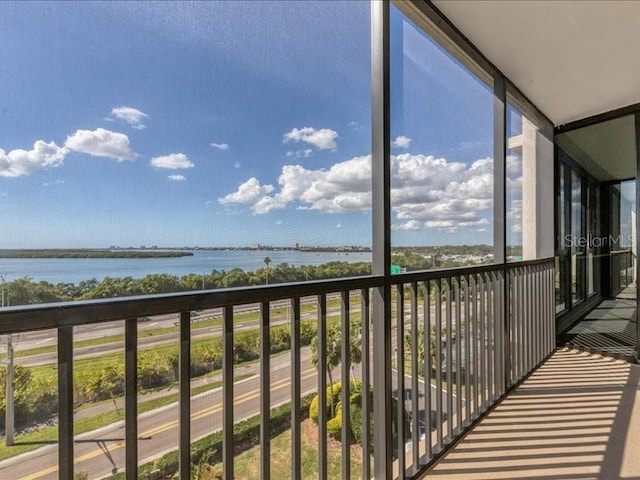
[(461, 339)]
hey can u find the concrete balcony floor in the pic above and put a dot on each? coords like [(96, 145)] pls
[(575, 417), (609, 329)]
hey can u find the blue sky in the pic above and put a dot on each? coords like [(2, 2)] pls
[(228, 123)]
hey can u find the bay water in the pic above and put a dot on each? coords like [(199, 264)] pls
[(74, 270)]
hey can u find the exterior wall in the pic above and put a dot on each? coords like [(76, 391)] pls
[(537, 193)]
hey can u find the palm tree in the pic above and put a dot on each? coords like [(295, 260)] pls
[(267, 261), (334, 350)]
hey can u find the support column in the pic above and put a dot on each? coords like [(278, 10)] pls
[(381, 241)]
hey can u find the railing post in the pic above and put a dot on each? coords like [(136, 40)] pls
[(131, 397), (227, 392), (65, 402), (185, 396), (296, 389), (506, 295), (265, 391)]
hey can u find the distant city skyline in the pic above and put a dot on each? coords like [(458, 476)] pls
[(175, 124)]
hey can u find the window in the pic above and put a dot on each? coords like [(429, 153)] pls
[(442, 153), (577, 239), (235, 134)]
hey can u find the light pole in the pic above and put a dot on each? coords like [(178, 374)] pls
[(8, 411)]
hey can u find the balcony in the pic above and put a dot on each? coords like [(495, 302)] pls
[(575, 417), (490, 326)]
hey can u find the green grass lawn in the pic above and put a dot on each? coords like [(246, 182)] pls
[(247, 464)]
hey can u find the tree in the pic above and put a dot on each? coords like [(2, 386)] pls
[(267, 261), (334, 350)]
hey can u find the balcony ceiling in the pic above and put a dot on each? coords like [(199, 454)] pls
[(572, 59)]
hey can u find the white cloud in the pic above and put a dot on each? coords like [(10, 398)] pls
[(410, 225), (305, 153), (177, 178), (427, 192), (53, 182), (322, 139), (250, 192), (173, 161), (278, 222), (237, 165), (401, 142), (101, 143), (20, 162), (355, 125), (338, 225), (220, 146), (514, 216), (132, 116)]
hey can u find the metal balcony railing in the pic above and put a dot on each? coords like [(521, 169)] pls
[(461, 338)]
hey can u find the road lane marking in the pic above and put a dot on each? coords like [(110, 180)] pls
[(44, 341), (245, 397)]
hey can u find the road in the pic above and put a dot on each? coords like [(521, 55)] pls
[(146, 342), (42, 338), (102, 453)]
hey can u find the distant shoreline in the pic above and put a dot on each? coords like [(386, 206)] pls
[(92, 253)]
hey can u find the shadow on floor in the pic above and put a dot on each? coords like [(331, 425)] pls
[(576, 417), (609, 329)]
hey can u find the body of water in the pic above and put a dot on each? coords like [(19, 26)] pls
[(74, 270)]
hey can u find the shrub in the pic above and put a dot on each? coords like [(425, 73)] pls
[(334, 424), (154, 370), (314, 410)]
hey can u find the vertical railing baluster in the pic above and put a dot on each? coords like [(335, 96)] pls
[(131, 397), (458, 368), (467, 353), (483, 343), (322, 387), (426, 289), (438, 366), (505, 332), (65, 403), (227, 392), (475, 336), (184, 380), (533, 316), (265, 391), (518, 324), (552, 309), (544, 309), (530, 302), (366, 384), (540, 311), (400, 378), (345, 360), (449, 358), (551, 312), (513, 303), (296, 407), (415, 419), (501, 334), (491, 337)]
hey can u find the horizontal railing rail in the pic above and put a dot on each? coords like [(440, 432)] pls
[(461, 338)]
